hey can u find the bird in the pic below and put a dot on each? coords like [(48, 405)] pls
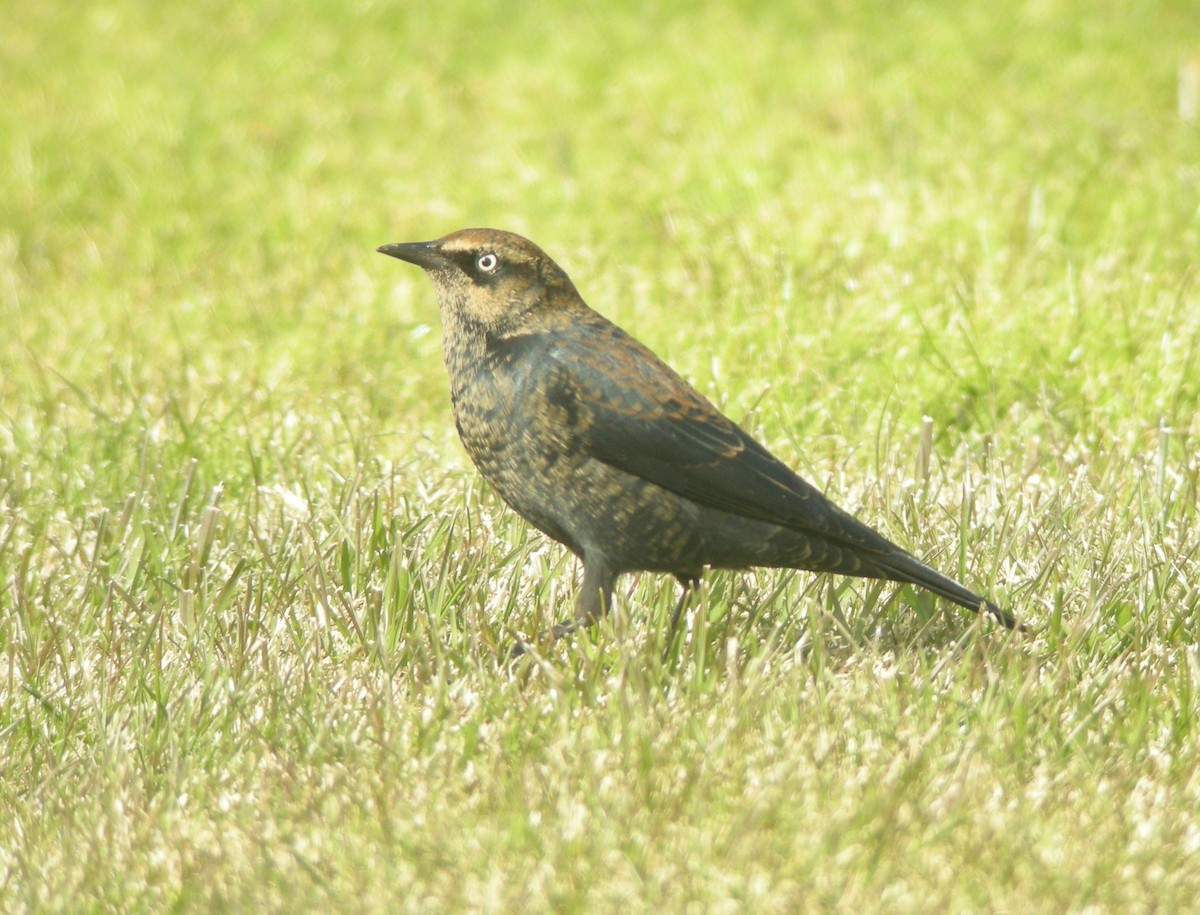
[(598, 443)]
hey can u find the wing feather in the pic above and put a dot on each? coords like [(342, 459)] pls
[(639, 417)]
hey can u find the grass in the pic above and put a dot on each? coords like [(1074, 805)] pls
[(940, 258)]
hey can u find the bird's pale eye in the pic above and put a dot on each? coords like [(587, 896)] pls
[(487, 263)]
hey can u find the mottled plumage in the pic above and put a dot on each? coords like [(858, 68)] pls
[(594, 440)]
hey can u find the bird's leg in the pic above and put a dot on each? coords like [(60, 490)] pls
[(690, 583), (595, 595), (593, 601)]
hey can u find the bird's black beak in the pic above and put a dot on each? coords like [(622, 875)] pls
[(425, 254)]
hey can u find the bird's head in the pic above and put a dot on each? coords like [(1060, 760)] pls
[(489, 279)]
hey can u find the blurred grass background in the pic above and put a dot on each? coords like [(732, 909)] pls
[(253, 595)]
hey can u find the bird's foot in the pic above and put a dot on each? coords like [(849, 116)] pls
[(565, 628)]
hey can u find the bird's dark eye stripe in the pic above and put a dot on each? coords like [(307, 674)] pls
[(468, 262), (465, 260)]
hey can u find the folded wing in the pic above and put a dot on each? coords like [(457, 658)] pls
[(641, 418)]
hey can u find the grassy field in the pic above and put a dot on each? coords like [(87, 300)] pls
[(253, 597)]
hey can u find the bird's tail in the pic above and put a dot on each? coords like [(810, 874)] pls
[(905, 568)]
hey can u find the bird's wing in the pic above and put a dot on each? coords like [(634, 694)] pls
[(638, 416)]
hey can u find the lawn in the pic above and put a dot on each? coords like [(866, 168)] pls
[(254, 600)]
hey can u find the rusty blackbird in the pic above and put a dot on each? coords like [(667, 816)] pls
[(595, 441)]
